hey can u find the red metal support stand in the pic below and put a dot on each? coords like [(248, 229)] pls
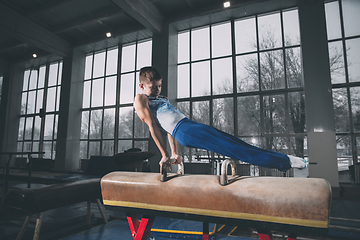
[(140, 231), (292, 237), (265, 235), (205, 231)]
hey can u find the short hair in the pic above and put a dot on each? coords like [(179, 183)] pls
[(148, 74)]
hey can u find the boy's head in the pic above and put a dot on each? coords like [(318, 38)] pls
[(150, 81), (149, 74)]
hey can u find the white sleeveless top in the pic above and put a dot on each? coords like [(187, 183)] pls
[(166, 115)]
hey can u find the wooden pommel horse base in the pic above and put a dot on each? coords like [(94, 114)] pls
[(289, 205)]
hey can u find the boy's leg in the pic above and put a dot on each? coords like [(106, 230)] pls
[(193, 134)]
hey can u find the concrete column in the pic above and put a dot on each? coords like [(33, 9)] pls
[(318, 94), (10, 109), (172, 61), (69, 126), (3, 108)]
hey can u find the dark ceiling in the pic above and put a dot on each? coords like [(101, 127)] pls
[(55, 27)]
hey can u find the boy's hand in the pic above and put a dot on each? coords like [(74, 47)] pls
[(164, 163), (177, 158)]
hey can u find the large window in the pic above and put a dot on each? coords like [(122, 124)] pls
[(109, 124), (40, 109), (244, 77), (342, 19)]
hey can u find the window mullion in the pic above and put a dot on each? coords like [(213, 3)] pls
[(133, 124), (117, 108), (43, 114), (190, 73), (286, 95), (234, 72), (211, 103), (103, 106), (261, 94), (35, 114)]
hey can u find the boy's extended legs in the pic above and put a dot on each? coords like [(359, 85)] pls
[(193, 134)]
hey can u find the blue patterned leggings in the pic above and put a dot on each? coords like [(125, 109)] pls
[(193, 134)]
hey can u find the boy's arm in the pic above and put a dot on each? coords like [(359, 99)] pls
[(141, 105), (174, 150)]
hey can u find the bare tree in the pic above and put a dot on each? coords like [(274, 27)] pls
[(95, 124)]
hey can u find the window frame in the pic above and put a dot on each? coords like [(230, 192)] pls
[(28, 144), (235, 94), (117, 139)]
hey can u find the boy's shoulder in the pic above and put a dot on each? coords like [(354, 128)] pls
[(141, 97)]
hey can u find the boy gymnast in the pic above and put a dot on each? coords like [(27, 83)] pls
[(157, 112)]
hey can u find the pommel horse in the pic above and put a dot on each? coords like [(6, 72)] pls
[(295, 206)]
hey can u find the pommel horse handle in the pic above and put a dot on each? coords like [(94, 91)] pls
[(164, 177), (224, 166)]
